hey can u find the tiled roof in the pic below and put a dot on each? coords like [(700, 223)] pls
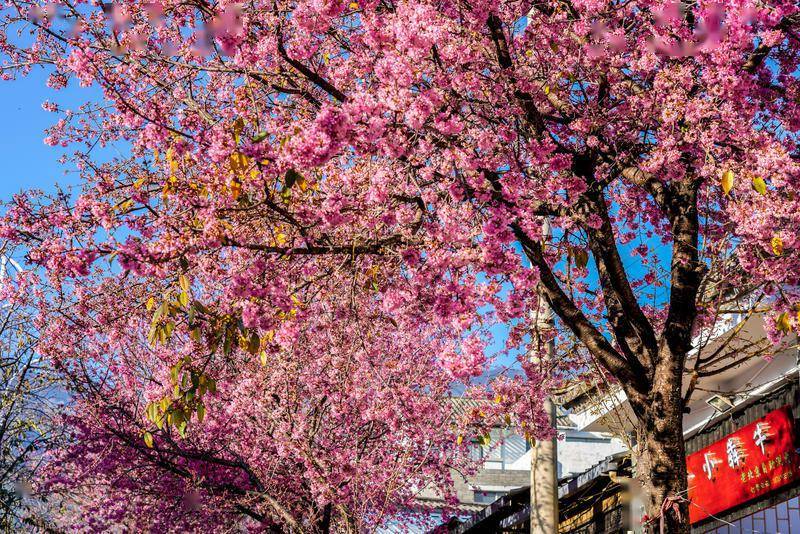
[(463, 406)]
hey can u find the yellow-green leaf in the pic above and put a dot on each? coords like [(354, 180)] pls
[(151, 302), (782, 323), (152, 411), (148, 439), (238, 128), (760, 185), (153, 335), (183, 280), (196, 334), (174, 372), (777, 245), (727, 181)]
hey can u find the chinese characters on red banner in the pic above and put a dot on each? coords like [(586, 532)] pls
[(752, 461)]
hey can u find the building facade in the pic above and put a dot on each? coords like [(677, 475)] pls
[(741, 434)]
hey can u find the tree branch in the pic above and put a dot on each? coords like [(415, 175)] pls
[(632, 329), (629, 372)]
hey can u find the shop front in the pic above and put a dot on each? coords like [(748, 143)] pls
[(744, 469), (743, 472)]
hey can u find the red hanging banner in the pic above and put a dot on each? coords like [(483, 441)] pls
[(752, 461)]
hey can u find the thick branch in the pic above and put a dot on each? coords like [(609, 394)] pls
[(532, 115), (687, 271), (648, 182), (761, 52), (374, 248), (630, 373), (310, 75), (632, 329)]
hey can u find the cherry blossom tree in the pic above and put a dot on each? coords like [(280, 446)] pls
[(309, 166), (334, 425)]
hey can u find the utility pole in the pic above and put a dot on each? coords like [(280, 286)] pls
[(544, 457)]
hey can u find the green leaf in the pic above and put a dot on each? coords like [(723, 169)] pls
[(292, 176), (196, 334), (174, 372), (581, 257), (160, 311), (254, 344), (169, 327), (227, 345), (148, 439), (183, 299), (260, 136), (201, 413)]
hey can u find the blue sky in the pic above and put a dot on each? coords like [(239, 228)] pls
[(27, 161)]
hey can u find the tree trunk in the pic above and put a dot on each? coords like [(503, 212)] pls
[(661, 468), (661, 454)]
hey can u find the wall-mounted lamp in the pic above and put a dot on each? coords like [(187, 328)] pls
[(720, 403)]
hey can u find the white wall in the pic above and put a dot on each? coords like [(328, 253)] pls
[(577, 451)]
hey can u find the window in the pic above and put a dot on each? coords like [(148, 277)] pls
[(486, 497), (504, 449), (783, 518)]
